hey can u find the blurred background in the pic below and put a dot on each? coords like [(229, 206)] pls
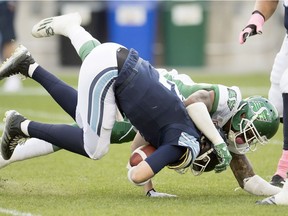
[(190, 35)]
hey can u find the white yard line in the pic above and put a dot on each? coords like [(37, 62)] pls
[(15, 212)]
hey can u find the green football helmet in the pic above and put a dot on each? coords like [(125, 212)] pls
[(255, 121)]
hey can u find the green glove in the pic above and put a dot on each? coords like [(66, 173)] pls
[(224, 156)]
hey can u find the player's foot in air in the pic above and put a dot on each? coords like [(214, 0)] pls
[(19, 62), (12, 133), (277, 181), (58, 25)]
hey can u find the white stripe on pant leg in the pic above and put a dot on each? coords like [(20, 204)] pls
[(102, 117)]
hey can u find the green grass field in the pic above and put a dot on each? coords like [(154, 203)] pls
[(67, 184)]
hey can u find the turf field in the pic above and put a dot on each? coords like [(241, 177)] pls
[(67, 184)]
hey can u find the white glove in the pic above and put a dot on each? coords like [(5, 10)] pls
[(258, 186), (153, 193)]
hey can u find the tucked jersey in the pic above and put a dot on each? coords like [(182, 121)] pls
[(226, 101)]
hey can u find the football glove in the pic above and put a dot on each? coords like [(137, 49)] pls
[(224, 157), (254, 26), (153, 193)]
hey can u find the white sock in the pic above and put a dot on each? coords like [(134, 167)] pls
[(79, 36), (24, 127), (30, 149), (32, 68)]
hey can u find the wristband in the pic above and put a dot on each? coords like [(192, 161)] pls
[(258, 12)]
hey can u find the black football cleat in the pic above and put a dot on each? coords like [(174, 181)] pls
[(277, 181), (12, 134), (18, 63)]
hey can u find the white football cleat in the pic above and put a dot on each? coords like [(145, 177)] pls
[(279, 199), (56, 25)]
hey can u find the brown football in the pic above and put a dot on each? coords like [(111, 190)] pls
[(141, 154)]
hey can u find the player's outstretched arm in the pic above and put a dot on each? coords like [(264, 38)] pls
[(247, 179), (200, 116), (241, 168)]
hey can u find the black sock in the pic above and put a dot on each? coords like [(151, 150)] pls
[(63, 136), (63, 94)]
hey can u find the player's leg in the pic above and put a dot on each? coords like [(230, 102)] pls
[(67, 25), (30, 149), (278, 95), (96, 111), (22, 62), (17, 128), (122, 132)]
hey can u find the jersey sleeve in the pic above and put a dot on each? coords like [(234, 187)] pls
[(225, 104)]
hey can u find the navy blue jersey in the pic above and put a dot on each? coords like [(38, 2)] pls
[(153, 108)]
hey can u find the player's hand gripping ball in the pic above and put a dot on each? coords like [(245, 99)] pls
[(141, 154)]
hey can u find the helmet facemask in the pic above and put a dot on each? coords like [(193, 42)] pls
[(200, 163), (255, 122), (207, 158), (246, 139)]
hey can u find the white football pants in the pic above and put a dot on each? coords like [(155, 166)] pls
[(279, 77), (96, 107)]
